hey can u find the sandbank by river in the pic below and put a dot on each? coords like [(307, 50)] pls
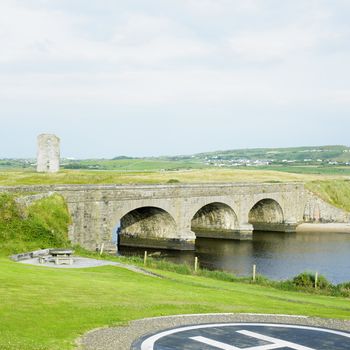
[(324, 227)]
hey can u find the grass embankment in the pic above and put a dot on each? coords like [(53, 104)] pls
[(46, 308), (41, 224), (335, 192)]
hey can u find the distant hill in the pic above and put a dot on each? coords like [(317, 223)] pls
[(316, 154), (294, 159)]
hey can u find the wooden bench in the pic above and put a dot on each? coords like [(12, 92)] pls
[(44, 259)]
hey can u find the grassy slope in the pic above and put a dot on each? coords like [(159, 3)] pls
[(335, 192), (42, 224), (47, 308)]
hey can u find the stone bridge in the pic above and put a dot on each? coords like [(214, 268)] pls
[(172, 216)]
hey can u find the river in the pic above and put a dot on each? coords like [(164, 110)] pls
[(276, 255)]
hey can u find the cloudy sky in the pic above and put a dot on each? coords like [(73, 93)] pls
[(166, 77)]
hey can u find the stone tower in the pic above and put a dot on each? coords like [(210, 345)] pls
[(48, 157)]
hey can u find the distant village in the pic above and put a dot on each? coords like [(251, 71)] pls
[(338, 156)]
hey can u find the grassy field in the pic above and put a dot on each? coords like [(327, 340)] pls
[(47, 308), (12, 178)]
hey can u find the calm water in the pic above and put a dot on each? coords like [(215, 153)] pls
[(277, 255)]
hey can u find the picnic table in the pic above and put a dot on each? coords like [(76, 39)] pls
[(62, 256)]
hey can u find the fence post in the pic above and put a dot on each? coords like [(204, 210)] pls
[(145, 258), (254, 273), (102, 247), (316, 279), (196, 264)]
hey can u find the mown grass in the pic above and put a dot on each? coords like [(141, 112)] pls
[(47, 308)]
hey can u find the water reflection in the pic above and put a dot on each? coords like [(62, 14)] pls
[(277, 255)]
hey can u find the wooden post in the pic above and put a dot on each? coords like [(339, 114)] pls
[(102, 247), (316, 279), (254, 273), (145, 258), (196, 264)]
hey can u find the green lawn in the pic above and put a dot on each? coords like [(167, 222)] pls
[(47, 308)]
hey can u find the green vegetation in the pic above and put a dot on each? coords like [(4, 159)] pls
[(133, 164), (313, 160), (42, 224), (47, 309), (311, 154), (307, 280), (13, 178), (335, 192)]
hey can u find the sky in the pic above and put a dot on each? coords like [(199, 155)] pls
[(169, 77)]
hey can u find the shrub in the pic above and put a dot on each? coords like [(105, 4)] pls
[(173, 181), (343, 289), (307, 280), (45, 224)]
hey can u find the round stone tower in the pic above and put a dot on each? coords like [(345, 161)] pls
[(48, 157)]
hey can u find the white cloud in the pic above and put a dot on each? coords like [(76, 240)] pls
[(32, 34), (281, 43), (187, 57), (221, 7)]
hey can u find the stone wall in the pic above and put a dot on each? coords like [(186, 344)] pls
[(317, 210)]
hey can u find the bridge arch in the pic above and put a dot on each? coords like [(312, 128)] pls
[(146, 224), (266, 214), (214, 220)]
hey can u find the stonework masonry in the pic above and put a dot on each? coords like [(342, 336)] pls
[(48, 153), (172, 216)]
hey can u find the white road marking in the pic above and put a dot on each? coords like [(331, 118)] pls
[(224, 346), (276, 341), (148, 344), (214, 343)]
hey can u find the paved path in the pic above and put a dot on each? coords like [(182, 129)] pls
[(80, 262), (122, 338)]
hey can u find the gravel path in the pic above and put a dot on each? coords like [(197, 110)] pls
[(121, 338)]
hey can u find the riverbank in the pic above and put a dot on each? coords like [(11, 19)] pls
[(326, 227)]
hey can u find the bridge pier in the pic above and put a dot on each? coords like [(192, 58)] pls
[(163, 243), (241, 233), (183, 239), (287, 226)]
